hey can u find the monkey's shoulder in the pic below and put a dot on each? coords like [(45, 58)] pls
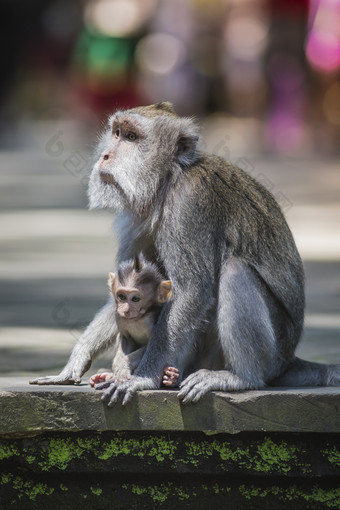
[(214, 181)]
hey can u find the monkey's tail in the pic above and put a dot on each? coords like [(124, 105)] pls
[(307, 373)]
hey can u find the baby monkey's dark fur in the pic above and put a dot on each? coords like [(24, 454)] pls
[(236, 314)]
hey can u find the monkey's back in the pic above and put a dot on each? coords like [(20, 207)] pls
[(233, 215)]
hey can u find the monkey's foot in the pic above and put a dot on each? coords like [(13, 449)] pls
[(170, 377), (100, 378), (123, 390)]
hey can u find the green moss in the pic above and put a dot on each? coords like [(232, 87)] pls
[(59, 454), (157, 448), (7, 451), (96, 491), (181, 494), (278, 456), (6, 478), (26, 488), (328, 498), (266, 456), (333, 456), (159, 493), (136, 489)]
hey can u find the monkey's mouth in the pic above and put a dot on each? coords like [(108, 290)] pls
[(131, 317), (107, 178)]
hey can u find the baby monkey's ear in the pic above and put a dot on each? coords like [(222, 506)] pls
[(164, 291), (111, 280)]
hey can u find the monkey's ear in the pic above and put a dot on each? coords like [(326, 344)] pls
[(187, 149), (111, 280), (164, 291)]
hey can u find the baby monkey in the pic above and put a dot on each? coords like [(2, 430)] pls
[(139, 294)]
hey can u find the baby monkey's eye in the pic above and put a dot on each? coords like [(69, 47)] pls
[(135, 299), (117, 132), (121, 297), (131, 136)]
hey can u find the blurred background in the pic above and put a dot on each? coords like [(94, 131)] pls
[(263, 77)]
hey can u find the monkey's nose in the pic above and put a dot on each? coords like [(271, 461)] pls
[(106, 157)]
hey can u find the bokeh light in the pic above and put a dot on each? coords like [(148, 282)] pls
[(117, 18), (246, 36), (160, 53), (323, 43)]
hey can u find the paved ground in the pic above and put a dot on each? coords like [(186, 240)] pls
[(55, 255)]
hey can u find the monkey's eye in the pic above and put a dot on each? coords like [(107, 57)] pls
[(121, 297), (131, 136), (117, 133), (135, 299)]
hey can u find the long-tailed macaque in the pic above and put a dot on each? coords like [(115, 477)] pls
[(139, 293), (236, 314)]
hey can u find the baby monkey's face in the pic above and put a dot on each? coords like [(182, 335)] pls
[(134, 299), (133, 303)]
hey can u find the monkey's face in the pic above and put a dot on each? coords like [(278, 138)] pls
[(141, 149), (133, 303)]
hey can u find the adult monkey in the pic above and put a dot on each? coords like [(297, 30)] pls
[(236, 314)]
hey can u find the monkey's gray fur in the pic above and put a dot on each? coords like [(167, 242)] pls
[(237, 309)]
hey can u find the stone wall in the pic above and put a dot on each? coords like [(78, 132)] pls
[(61, 447)]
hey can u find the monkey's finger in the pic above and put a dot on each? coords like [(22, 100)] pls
[(117, 396), (103, 385), (128, 396), (172, 375), (167, 383), (200, 392), (109, 392), (192, 396), (185, 390), (189, 381)]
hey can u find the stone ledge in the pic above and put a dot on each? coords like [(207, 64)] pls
[(28, 410)]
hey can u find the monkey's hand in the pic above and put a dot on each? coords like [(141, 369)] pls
[(123, 391), (70, 375), (196, 385), (53, 379)]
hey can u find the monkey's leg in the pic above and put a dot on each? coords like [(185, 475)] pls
[(100, 333), (245, 320), (121, 367), (124, 363)]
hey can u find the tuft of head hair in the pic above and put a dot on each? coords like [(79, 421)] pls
[(153, 110), (143, 271)]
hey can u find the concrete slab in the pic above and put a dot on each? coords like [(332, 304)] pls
[(30, 409)]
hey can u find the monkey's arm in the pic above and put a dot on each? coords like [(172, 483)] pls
[(100, 333)]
